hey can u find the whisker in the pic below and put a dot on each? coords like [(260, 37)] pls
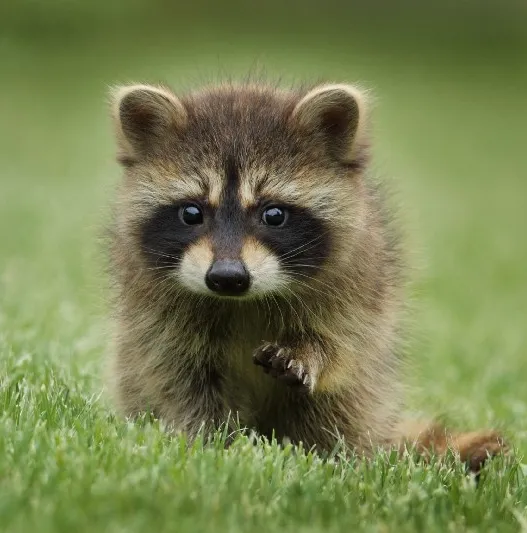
[(317, 238), (158, 253), (279, 309), (157, 268), (291, 305), (312, 279), (302, 303), (269, 309)]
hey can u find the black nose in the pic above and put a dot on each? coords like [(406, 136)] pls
[(228, 276)]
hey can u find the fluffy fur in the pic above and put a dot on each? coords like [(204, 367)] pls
[(309, 351)]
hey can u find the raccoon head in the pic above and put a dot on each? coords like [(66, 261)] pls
[(241, 191)]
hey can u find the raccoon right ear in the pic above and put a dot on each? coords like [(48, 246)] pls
[(144, 115), (334, 115)]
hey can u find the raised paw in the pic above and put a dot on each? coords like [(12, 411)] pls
[(277, 361)]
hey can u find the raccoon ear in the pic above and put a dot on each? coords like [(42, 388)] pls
[(144, 115), (335, 115)]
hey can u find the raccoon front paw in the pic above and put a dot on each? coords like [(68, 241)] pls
[(277, 361)]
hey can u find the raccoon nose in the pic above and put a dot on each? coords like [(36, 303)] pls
[(228, 276)]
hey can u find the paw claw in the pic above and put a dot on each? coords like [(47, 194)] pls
[(277, 362)]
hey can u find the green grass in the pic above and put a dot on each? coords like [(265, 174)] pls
[(452, 136)]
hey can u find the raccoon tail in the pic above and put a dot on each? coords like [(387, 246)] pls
[(430, 439)]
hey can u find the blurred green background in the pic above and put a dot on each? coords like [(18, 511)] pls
[(450, 122)]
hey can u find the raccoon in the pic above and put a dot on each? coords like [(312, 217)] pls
[(257, 272)]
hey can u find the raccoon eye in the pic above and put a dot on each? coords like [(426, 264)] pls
[(274, 216), (191, 214)]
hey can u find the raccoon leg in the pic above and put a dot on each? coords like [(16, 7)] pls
[(296, 364), (194, 402), (188, 399), (474, 448)]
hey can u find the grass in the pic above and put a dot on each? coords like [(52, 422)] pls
[(455, 147)]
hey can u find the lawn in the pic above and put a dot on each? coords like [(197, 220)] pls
[(450, 132)]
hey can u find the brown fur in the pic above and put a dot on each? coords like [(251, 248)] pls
[(329, 340)]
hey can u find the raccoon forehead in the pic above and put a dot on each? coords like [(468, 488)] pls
[(168, 182), (164, 182), (306, 188)]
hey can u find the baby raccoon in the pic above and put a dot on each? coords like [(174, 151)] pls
[(256, 270)]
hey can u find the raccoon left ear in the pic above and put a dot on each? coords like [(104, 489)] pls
[(144, 117), (334, 114)]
